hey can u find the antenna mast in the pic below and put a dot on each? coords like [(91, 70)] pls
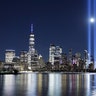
[(31, 28)]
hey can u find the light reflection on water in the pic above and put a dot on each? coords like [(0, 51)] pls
[(54, 86), (48, 84)]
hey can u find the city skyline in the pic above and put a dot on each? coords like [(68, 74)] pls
[(62, 23)]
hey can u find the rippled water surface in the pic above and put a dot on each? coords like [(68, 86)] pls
[(48, 84)]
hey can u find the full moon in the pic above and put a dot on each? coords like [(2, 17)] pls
[(92, 20)]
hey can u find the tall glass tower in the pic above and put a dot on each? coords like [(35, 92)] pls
[(32, 53)]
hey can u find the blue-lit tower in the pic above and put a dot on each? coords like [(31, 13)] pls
[(31, 42), (32, 53)]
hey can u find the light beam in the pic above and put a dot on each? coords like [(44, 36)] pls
[(94, 35), (89, 29)]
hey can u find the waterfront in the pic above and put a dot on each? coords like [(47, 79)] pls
[(48, 84)]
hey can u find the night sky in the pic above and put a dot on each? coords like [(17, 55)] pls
[(59, 22)]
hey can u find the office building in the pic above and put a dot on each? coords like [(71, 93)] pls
[(23, 57), (55, 53), (9, 55)]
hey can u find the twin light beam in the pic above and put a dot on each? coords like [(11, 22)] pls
[(92, 30)]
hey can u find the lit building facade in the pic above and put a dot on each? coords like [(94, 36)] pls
[(55, 53), (9, 55), (41, 61), (23, 57)]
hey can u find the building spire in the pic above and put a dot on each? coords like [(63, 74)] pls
[(31, 28)]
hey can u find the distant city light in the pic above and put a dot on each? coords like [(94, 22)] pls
[(92, 20)]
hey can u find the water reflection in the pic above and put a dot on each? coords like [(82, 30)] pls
[(52, 84), (8, 85), (32, 85)]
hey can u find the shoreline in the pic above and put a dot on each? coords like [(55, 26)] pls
[(46, 72)]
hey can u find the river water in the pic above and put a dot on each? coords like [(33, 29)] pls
[(48, 84)]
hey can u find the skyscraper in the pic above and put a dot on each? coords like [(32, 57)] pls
[(55, 53), (33, 63)]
